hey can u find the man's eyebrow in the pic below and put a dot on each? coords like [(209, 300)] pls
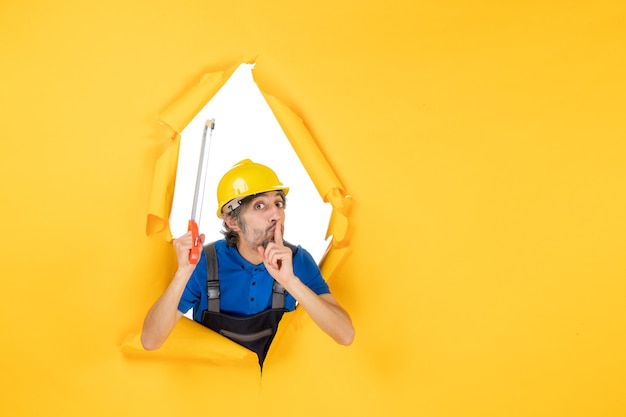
[(262, 196), (258, 197)]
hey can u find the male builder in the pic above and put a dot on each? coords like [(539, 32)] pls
[(243, 283)]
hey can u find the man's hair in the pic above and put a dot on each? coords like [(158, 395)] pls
[(232, 238)]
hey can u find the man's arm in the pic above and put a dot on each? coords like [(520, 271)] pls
[(164, 314), (323, 309)]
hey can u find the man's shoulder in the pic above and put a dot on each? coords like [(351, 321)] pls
[(302, 257), (294, 248), (225, 253), (218, 244)]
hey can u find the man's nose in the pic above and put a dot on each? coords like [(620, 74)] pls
[(274, 213)]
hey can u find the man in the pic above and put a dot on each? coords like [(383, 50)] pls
[(258, 276)]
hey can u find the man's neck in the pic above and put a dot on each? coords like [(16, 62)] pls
[(249, 254)]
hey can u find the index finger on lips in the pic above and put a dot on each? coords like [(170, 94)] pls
[(278, 234)]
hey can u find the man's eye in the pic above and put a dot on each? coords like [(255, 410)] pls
[(280, 204), (259, 206)]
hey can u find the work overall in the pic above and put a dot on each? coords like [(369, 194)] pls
[(254, 332)]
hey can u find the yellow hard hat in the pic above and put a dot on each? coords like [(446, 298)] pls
[(243, 179)]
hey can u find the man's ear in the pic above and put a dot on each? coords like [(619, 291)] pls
[(232, 224)]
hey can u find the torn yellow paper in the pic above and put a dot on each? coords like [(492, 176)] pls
[(181, 112), (176, 117), (162, 192), (191, 341), (328, 185)]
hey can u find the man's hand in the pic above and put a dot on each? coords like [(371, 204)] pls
[(183, 246), (277, 258)]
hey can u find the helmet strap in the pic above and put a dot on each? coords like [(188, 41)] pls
[(231, 206)]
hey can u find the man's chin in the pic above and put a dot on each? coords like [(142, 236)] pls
[(269, 237)]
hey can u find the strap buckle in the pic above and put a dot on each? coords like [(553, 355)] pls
[(213, 289)]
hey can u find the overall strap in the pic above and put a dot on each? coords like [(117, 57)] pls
[(278, 295), (212, 281)]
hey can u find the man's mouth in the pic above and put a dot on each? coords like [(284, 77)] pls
[(272, 229), (269, 233)]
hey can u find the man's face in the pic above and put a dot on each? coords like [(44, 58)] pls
[(260, 217)]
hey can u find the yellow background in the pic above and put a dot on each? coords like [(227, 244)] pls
[(482, 143)]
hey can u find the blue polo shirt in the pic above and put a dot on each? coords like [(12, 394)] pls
[(245, 289)]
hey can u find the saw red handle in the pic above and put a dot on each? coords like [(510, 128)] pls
[(194, 252)]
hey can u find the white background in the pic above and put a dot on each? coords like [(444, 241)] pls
[(245, 128)]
